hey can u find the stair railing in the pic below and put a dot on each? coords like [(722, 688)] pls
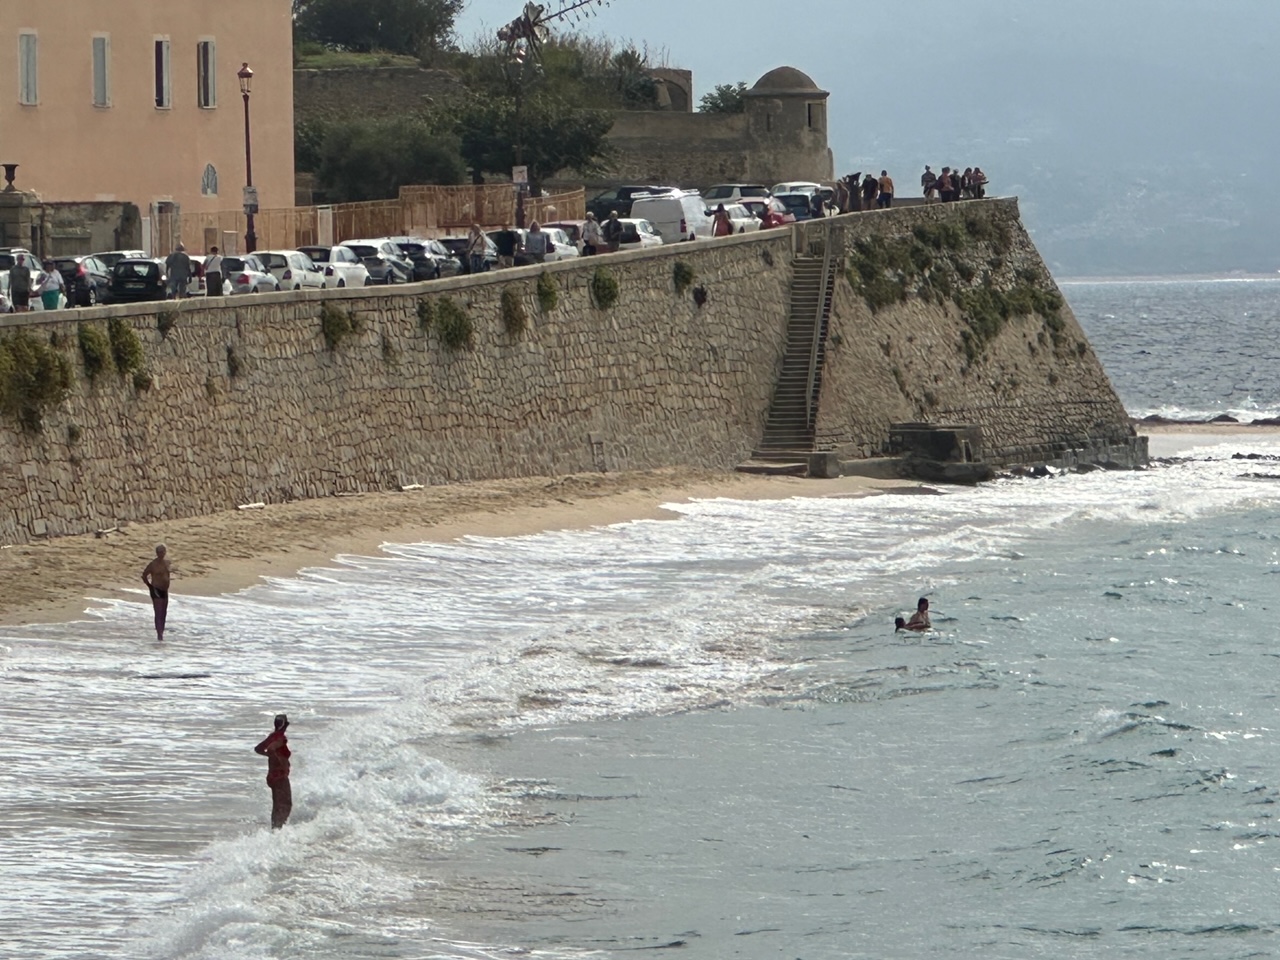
[(811, 401)]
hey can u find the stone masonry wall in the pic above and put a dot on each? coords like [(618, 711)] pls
[(248, 404), (1035, 385)]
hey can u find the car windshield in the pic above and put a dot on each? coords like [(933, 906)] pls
[(755, 191), (794, 201), (413, 249), (455, 245), (363, 250), (230, 264), (317, 254), (6, 261), (66, 263), (274, 261), (130, 269)]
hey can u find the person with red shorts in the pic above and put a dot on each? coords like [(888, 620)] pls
[(276, 749)]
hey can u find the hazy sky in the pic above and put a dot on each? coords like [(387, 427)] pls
[(1098, 113)]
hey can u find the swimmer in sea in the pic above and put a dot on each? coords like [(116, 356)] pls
[(919, 621), (156, 577), (276, 749)]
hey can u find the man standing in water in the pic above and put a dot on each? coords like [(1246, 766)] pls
[(276, 749), (156, 577)]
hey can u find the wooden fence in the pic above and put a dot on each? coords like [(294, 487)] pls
[(425, 211)]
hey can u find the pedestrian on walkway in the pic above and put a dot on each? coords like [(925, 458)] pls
[(591, 238), (979, 183), (476, 247), (51, 286), (537, 244), (611, 230), (944, 185), (178, 269), (276, 749), (721, 225), (20, 284), (885, 199), (213, 273), (870, 187), (929, 183), (509, 244)]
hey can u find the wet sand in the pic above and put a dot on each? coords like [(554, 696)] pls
[(57, 580)]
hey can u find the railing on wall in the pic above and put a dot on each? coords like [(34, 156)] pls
[(427, 211)]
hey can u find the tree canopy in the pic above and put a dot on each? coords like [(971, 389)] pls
[(725, 98), (395, 26), (371, 159)]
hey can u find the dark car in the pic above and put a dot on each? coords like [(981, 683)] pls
[(602, 204), (799, 205), (457, 247), (137, 279), (383, 259), (86, 278), (431, 260)]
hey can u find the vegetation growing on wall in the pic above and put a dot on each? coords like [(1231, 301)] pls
[(426, 315), (126, 348), (34, 376), (453, 324), (166, 320), (95, 351), (337, 324), (604, 288), (548, 293), (514, 316), (931, 264), (683, 276)]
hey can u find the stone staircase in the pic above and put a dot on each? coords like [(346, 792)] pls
[(789, 431)]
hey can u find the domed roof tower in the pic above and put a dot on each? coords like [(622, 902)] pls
[(787, 119)]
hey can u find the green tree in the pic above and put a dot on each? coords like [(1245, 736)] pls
[(413, 27), (725, 98), (372, 159), (554, 135)]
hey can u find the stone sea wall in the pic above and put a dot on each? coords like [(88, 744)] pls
[(928, 324), (240, 400), (247, 402)]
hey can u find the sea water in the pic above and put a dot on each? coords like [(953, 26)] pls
[(699, 735)]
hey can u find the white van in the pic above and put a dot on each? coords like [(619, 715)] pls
[(676, 217)]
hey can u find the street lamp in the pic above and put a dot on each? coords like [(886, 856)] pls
[(250, 195)]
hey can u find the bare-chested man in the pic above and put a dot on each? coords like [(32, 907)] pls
[(156, 577)]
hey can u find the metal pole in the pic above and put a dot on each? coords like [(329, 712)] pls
[(250, 237)]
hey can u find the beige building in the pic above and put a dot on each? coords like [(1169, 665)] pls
[(138, 101)]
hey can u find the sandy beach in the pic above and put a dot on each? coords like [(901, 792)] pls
[(57, 580)]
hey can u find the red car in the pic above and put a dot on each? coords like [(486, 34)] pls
[(770, 211)]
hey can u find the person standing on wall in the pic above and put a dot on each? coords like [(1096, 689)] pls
[(156, 576), (885, 199), (612, 232), (276, 749), (870, 188), (20, 284), (591, 238), (929, 183), (213, 273), (979, 180), (178, 268)]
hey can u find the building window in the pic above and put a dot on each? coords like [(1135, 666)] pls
[(209, 182), (206, 75), (818, 116), (164, 82), (101, 72), (28, 89)]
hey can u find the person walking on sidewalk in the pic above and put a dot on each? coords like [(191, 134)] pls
[(886, 190), (156, 576), (276, 749), (213, 273), (51, 286), (591, 237), (178, 268)]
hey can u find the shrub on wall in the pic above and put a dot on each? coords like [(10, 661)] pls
[(548, 293), (604, 288), (95, 351), (126, 348), (336, 325), (166, 320), (33, 377), (683, 276), (426, 314), (514, 316), (453, 324)]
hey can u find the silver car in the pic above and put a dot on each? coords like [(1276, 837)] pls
[(247, 274)]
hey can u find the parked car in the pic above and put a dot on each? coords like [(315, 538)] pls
[(742, 219), (11, 255), (676, 217), (430, 259), (572, 229), (620, 199), (733, 193), (6, 303), (109, 258), (457, 247), (799, 205), (638, 234), (247, 274), (86, 279), (560, 247), (385, 262), (341, 267), (757, 207), (137, 278), (796, 186), (292, 268)]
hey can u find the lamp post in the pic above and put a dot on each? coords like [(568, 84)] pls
[(250, 198)]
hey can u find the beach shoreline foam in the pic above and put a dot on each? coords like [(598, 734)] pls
[(58, 580)]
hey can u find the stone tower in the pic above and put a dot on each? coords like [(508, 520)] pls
[(787, 124)]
